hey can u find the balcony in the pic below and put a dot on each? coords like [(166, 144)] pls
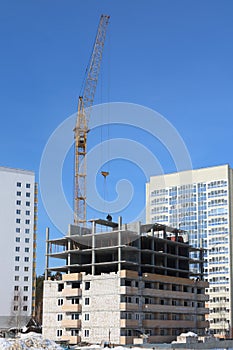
[(159, 308), (71, 339), (168, 324), (126, 340), (71, 277), (201, 297), (161, 338), (202, 324), (129, 290), (129, 323), (203, 310), (71, 323), (174, 308), (129, 274), (128, 307), (71, 292), (174, 294), (72, 308)]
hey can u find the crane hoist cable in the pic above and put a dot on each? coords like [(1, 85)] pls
[(85, 103)]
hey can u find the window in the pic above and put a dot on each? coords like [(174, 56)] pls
[(60, 287), (17, 221), (17, 258), (59, 317), (128, 300), (26, 268), (25, 298), (16, 298), (60, 302), (17, 249), (25, 279), (18, 184), (27, 204), (59, 332), (27, 222), (17, 230), (74, 301), (18, 211), (26, 250), (127, 283), (27, 194), (18, 202), (16, 288), (28, 185), (74, 332), (86, 333), (147, 285), (148, 301), (87, 317), (15, 308), (74, 316), (87, 301), (27, 240), (17, 239), (18, 193), (25, 308), (26, 259), (16, 268), (87, 285), (27, 212), (27, 230), (16, 278), (25, 288)]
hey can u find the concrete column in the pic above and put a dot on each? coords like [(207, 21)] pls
[(139, 249), (69, 248), (177, 260), (68, 257), (165, 257), (93, 248), (153, 254), (119, 242), (46, 253)]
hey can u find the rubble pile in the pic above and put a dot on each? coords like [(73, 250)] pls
[(29, 342)]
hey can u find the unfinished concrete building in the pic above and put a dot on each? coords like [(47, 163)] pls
[(123, 283)]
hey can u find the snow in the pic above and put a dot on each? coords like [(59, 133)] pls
[(188, 334), (28, 342)]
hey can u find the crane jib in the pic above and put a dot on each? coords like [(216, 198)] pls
[(85, 103)]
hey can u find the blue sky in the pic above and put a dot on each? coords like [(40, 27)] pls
[(172, 56)]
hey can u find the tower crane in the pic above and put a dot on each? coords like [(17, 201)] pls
[(85, 103)]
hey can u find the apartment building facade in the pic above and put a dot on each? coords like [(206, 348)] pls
[(200, 201), (18, 215), (126, 283)]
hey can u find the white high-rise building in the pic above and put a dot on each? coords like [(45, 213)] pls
[(18, 214), (201, 202)]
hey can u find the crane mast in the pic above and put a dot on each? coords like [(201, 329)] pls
[(85, 103)]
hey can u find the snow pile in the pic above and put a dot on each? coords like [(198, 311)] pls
[(186, 338), (188, 334), (29, 342)]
